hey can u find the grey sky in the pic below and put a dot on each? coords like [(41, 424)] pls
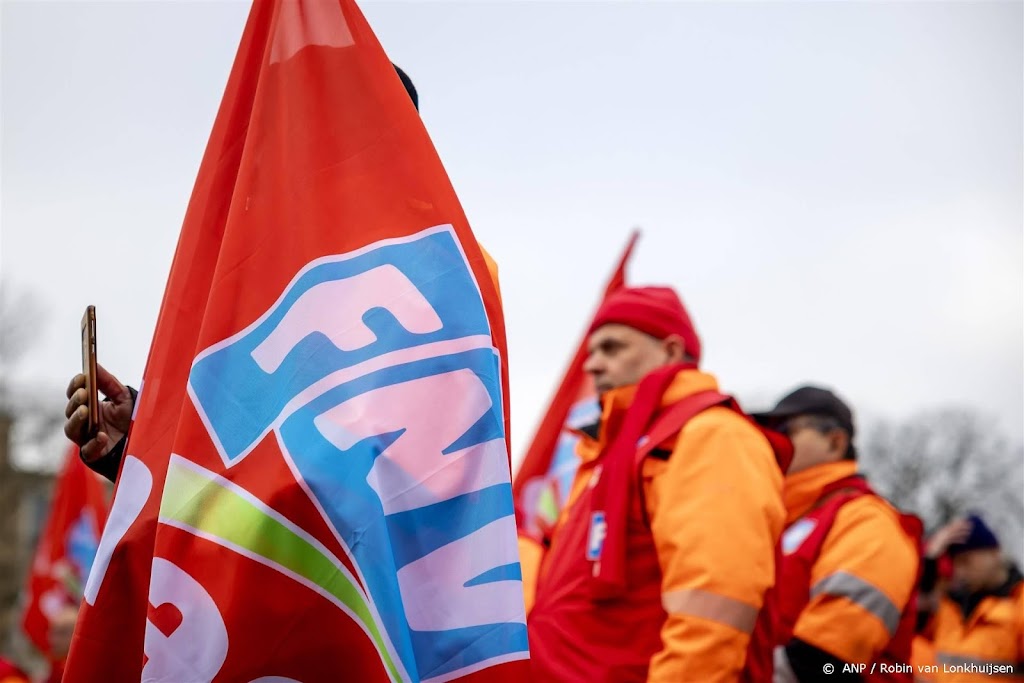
[(835, 188)]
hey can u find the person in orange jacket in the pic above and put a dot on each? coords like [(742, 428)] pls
[(850, 562), (664, 553), (979, 626)]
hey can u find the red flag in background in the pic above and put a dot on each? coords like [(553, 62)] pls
[(542, 482), (65, 552), (316, 486)]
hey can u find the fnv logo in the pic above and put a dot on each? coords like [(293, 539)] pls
[(376, 373)]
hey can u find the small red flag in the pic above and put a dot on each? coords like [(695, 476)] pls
[(66, 549), (542, 482)]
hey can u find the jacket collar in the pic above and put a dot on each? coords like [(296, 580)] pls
[(802, 490), (968, 602), (615, 403)]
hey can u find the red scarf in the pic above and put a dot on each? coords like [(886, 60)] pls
[(617, 480)]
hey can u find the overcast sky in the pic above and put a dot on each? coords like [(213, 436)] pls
[(834, 188)]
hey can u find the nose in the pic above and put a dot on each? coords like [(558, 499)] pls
[(593, 365)]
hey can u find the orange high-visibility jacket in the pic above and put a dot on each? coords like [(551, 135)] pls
[(715, 511), (864, 575), (990, 635), (922, 658)]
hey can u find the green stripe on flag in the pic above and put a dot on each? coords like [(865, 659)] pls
[(202, 503), (548, 505)]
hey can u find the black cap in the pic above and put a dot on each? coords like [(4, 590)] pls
[(409, 87), (809, 401)]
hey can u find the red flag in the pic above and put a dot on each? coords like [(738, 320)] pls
[(65, 552), (542, 482), (316, 486)]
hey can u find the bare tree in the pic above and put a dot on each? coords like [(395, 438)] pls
[(37, 440), (19, 325), (946, 463)]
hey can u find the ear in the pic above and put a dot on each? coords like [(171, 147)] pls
[(674, 348), (838, 442)]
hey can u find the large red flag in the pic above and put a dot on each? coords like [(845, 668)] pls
[(65, 552), (316, 486), (542, 482)]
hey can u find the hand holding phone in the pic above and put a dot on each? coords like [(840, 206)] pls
[(94, 425)]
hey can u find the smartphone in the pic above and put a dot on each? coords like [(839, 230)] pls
[(89, 366)]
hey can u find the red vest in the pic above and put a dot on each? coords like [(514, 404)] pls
[(794, 576), (575, 636)]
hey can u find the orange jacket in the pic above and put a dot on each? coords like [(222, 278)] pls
[(923, 660), (992, 635), (866, 547), (492, 268), (716, 514)]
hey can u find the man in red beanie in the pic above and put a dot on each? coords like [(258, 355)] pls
[(665, 552)]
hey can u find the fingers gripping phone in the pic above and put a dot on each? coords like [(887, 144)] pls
[(89, 366)]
